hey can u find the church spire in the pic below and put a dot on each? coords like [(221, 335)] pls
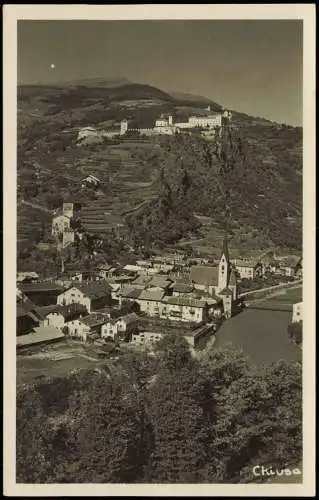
[(225, 249)]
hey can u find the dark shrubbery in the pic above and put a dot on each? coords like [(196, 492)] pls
[(163, 419)]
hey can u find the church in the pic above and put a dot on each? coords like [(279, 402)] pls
[(219, 282)]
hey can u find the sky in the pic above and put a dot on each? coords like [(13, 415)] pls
[(250, 66)]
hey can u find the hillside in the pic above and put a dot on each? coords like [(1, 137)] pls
[(265, 182), (194, 98)]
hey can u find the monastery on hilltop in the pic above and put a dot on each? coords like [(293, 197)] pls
[(163, 126)]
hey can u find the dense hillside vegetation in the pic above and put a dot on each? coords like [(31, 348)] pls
[(176, 177), (163, 419), (253, 180)]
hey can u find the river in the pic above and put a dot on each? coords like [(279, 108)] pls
[(261, 335)]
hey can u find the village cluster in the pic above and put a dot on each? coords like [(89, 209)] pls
[(139, 303), (163, 126)]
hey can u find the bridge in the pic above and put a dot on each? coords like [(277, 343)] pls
[(277, 298), (270, 307), (263, 292)]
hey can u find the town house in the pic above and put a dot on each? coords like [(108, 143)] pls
[(93, 295), (150, 301), (28, 315), (86, 327), (184, 309), (121, 328), (42, 293), (248, 269), (57, 315)]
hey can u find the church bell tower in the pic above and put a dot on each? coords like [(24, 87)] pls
[(223, 268)]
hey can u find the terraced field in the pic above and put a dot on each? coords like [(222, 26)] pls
[(29, 223), (126, 182)]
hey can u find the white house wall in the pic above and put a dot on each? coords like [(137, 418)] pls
[(74, 296), (77, 329), (55, 319)]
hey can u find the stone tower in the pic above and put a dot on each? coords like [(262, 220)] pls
[(227, 303), (232, 283), (170, 120), (224, 267), (124, 127), (67, 210)]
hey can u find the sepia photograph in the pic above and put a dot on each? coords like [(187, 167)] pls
[(160, 261)]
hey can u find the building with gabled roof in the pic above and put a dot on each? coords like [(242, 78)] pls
[(248, 269), (42, 293), (129, 293), (57, 315), (121, 328), (204, 277), (28, 315), (83, 327), (93, 295), (149, 301), (160, 282), (184, 309), (27, 277)]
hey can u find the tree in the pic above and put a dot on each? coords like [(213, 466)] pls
[(258, 421), (103, 434), (32, 451), (167, 418), (295, 332), (180, 437), (174, 352)]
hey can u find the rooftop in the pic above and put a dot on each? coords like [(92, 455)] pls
[(141, 280), (130, 292), (90, 176), (26, 275), (185, 301), (43, 286), (155, 294), (204, 275), (246, 263), (182, 287), (226, 291), (132, 267), (129, 318), (94, 319), (45, 310), (160, 281), (26, 307), (40, 334), (94, 289)]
